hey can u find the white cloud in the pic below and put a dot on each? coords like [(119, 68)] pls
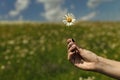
[(95, 3), (53, 9), (20, 5), (88, 17)]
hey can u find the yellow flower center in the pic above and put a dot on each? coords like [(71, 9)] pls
[(69, 19)]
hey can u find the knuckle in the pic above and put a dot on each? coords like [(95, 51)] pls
[(69, 40)]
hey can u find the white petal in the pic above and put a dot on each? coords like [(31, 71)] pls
[(64, 21), (68, 24), (71, 23), (66, 16), (73, 20)]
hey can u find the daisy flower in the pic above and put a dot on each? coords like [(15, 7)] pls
[(69, 19)]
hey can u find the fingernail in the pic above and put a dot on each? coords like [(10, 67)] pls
[(73, 40)]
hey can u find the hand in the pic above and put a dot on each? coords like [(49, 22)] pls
[(81, 58)]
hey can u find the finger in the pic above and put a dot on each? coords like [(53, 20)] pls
[(70, 44), (74, 58), (70, 55), (70, 40), (72, 48), (79, 50), (78, 58)]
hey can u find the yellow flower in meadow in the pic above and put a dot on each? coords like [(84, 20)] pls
[(69, 19)]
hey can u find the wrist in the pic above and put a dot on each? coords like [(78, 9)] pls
[(100, 64)]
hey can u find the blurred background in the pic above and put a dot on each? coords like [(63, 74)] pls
[(33, 37)]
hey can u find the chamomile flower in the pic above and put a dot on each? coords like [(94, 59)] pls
[(69, 19)]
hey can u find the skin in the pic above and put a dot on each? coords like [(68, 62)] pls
[(89, 61)]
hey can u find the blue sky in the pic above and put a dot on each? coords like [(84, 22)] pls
[(54, 10)]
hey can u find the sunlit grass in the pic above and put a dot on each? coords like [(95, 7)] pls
[(33, 51)]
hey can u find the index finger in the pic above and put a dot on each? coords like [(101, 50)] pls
[(70, 40)]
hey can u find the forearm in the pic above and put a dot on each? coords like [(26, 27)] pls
[(108, 67)]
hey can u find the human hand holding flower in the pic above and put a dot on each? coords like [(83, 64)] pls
[(81, 58)]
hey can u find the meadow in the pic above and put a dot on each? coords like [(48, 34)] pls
[(37, 51)]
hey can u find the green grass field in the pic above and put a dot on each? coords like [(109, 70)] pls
[(37, 51)]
